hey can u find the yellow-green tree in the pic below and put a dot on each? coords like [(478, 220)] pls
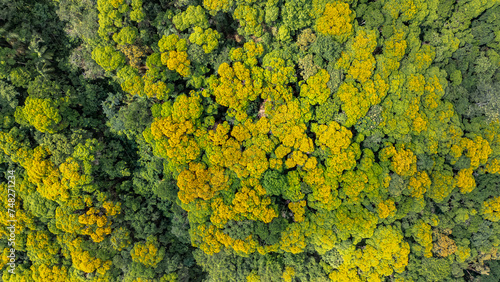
[(148, 253), (42, 113)]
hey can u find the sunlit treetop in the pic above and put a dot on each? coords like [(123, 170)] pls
[(336, 20)]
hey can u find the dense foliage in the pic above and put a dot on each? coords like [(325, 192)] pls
[(251, 140)]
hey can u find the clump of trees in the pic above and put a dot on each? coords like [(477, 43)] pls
[(290, 140)]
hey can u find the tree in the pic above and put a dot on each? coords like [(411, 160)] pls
[(336, 20), (148, 253), (490, 209), (316, 90), (43, 114)]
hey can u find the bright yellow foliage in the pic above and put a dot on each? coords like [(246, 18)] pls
[(419, 184), (248, 203), (97, 223), (211, 239), (177, 61), (203, 238), (358, 59), (174, 54), (217, 5), (288, 274), (493, 166), (419, 123), (52, 182), (423, 235), (345, 274), (465, 180), (235, 88), (336, 20), (200, 182), (154, 89), (281, 151), (362, 70), (179, 146), (253, 277), (221, 213), (43, 272), (404, 162), (478, 150), (298, 209), (332, 136), (315, 90), (246, 246), (386, 208), (82, 260)]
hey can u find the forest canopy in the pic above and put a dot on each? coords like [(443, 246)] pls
[(250, 140)]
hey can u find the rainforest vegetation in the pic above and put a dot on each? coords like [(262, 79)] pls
[(250, 140)]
